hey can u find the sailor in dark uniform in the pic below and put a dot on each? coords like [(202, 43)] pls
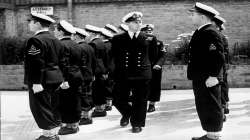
[(101, 73), (133, 52), (219, 22), (205, 66), (88, 75), (107, 34), (70, 101), (155, 83), (43, 60)]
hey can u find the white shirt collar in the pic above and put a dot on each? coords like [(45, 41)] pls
[(39, 31), (131, 34), (64, 37), (204, 25)]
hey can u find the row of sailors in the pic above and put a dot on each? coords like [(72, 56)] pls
[(74, 74), (80, 69)]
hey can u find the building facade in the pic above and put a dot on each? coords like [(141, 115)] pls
[(170, 17)]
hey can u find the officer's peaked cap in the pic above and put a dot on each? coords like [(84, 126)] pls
[(204, 9), (132, 16)]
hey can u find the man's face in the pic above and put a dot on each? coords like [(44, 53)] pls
[(57, 33), (135, 25), (33, 26), (196, 18)]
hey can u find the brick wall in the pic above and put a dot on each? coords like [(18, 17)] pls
[(170, 18), (174, 76)]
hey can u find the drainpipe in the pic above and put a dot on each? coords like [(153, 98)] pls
[(69, 2)]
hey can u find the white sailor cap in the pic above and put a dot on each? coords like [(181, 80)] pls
[(106, 32), (132, 16), (123, 27), (204, 9), (219, 20), (147, 27), (91, 28), (67, 26), (81, 32), (111, 28), (41, 17), (222, 27)]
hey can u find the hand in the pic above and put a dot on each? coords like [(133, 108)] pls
[(37, 88), (157, 67), (64, 85), (105, 76), (211, 81)]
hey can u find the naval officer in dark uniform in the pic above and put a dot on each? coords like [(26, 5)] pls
[(43, 57), (155, 83), (205, 65), (133, 52)]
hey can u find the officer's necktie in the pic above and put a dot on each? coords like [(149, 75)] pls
[(134, 36)]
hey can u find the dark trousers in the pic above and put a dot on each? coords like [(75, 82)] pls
[(86, 96), (155, 86), (44, 107), (99, 91), (208, 106), (136, 111), (70, 105), (224, 91)]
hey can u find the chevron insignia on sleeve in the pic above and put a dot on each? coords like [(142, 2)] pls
[(33, 50), (212, 47)]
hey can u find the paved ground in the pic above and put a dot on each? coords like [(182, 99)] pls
[(175, 119)]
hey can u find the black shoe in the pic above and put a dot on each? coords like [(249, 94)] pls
[(66, 130), (42, 137), (226, 110), (136, 129), (85, 121), (108, 108), (99, 113), (124, 121), (203, 138), (151, 108)]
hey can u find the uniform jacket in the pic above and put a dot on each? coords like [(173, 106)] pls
[(133, 58), (101, 56), (110, 62), (206, 56), (77, 60), (88, 71), (44, 54), (160, 54)]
